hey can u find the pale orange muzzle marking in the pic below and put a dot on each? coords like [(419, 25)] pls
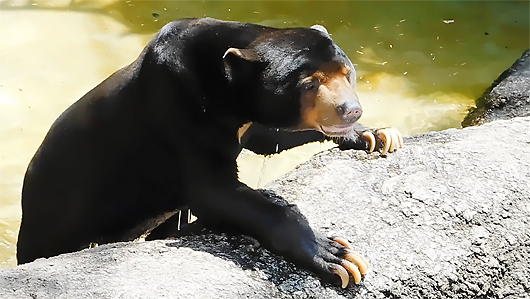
[(319, 108)]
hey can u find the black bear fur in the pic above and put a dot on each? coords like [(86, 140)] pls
[(162, 134)]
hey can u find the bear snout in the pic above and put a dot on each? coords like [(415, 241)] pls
[(349, 112)]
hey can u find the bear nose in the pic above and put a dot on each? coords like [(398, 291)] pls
[(349, 112)]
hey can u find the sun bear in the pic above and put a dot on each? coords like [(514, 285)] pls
[(164, 133)]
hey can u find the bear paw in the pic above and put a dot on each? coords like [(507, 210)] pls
[(353, 263), (386, 140), (339, 259)]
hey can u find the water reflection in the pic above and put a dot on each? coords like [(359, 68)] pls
[(420, 64)]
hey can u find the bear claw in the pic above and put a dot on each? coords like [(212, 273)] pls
[(343, 274), (343, 242), (353, 270), (353, 262), (368, 135), (358, 260), (390, 140)]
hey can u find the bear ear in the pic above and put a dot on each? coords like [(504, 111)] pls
[(321, 29), (246, 54), (238, 62)]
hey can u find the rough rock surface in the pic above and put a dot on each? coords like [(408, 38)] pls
[(507, 97), (447, 216)]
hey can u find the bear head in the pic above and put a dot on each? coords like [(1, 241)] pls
[(297, 79)]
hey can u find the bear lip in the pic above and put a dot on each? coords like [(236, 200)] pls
[(337, 130)]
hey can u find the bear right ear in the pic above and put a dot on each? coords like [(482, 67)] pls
[(321, 29), (238, 62), (246, 54)]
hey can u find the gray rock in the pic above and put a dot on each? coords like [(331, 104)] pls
[(507, 97), (447, 216)]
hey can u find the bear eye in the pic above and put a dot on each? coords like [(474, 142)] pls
[(349, 76), (311, 85)]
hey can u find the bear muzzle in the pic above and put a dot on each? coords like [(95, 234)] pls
[(349, 112)]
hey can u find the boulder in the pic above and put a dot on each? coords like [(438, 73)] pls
[(447, 216), (507, 97)]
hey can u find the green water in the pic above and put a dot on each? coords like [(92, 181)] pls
[(453, 46), (421, 64)]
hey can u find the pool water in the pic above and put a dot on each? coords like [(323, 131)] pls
[(420, 65)]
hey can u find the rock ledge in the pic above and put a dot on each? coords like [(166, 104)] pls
[(447, 216)]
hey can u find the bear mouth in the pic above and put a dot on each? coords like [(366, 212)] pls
[(337, 130)]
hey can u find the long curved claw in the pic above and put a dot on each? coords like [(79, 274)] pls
[(353, 262), (386, 140), (400, 138), (397, 140), (393, 140), (358, 260), (343, 274), (343, 242), (371, 138), (385, 136), (353, 270)]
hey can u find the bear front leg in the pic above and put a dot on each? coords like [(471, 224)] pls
[(281, 228), (384, 140), (332, 258)]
